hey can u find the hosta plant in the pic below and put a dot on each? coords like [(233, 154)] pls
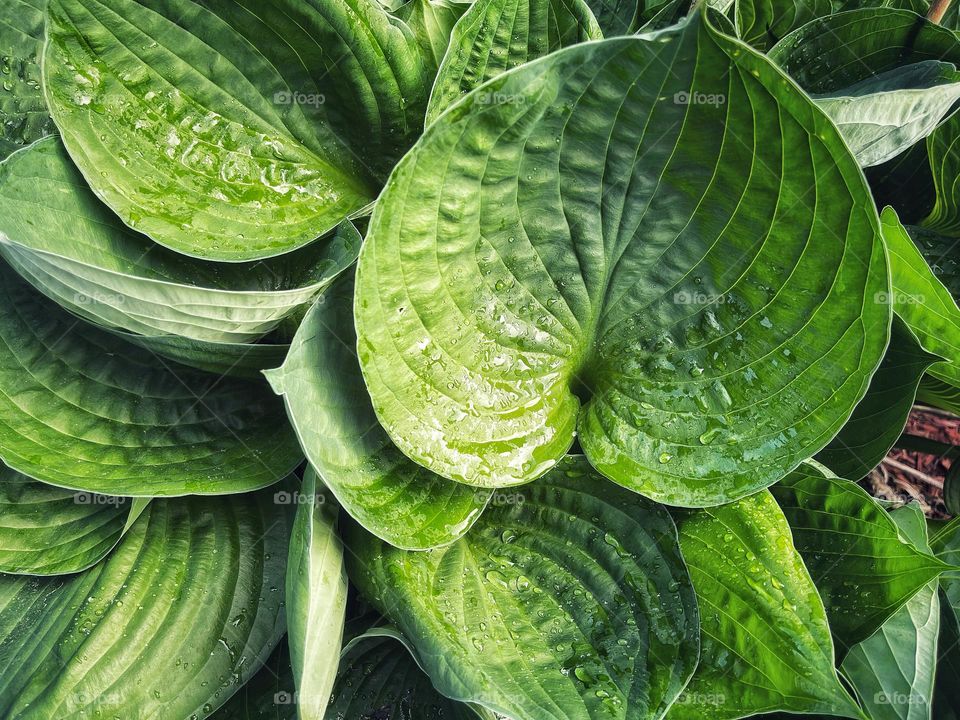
[(533, 350)]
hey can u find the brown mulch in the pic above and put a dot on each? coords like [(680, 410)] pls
[(907, 475)]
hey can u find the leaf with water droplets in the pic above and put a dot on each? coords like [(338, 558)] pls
[(46, 530), (327, 401), (497, 35), (23, 111), (268, 695), (61, 238), (81, 408), (863, 565), (584, 611), (766, 644), (234, 131), (579, 257), (149, 632), (316, 598)]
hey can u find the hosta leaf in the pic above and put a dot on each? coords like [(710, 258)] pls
[(389, 494), (946, 544), (23, 112), (269, 695), (944, 157), (379, 679), (234, 131), (922, 300), (761, 23), (81, 408), (946, 700), (939, 394), (316, 599), (572, 602), (46, 530), (497, 35), (884, 115), (893, 670), (620, 17), (880, 417), (623, 266), (765, 640), (432, 21), (56, 233), (863, 567), (237, 359), (185, 609)]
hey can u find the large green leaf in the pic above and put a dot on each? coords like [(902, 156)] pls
[(863, 567), (389, 494), (762, 23), (316, 599), (46, 530), (432, 22), (922, 300), (234, 130), (620, 17), (883, 115), (81, 408), (497, 35), (56, 233), (893, 670), (946, 700), (595, 241), (183, 612), (378, 679), (880, 417), (944, 158), (765, 642), (23, 112), (570, 603)]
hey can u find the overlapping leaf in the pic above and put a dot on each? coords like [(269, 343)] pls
[(188, 606), (571, 602), (880, 417), (45, 530), (762, 23), (81, 408), (766, 644), (23, 112), (56, 233), (234, 131), (316, 599), (497, 35), (527, 255), (389, 494), (863, 567), (268, 695)]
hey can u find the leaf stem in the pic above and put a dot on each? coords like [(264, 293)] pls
[(913, 472), (938, 8)]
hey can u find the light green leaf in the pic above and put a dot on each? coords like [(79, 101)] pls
[(715, 343), (56, 233), (880, 417), (944, 158), (939, 394), (765, 642), (863, 567), (922, 300), (762, 23), (893, 670), (316, 599), (882, 116), (186, 608), (82, 409), (497, 35), (378, 678), (390, 495), (234, 131), (23, 112), (432, 22), (572, 602), (245, 360), (268, 695), (45, 530)]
